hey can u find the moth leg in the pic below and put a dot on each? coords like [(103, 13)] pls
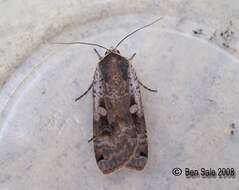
[(132, 57), (98, 54), (91, 85), (147, 88), (91, 139)]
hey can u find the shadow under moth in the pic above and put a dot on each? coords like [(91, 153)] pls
[(119, 129)]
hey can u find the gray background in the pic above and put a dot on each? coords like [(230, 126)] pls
[(44, 133)]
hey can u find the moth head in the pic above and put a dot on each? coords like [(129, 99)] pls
[(116, 51), (112, 50)]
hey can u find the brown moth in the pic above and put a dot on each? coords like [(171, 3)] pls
[(119, 130)]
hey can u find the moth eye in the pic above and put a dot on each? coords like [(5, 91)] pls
[(106, 52), (117, 51)]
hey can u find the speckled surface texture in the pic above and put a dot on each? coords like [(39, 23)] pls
[(191, 57)]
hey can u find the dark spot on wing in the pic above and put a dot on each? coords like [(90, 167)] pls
[(123, 66), (104, 67), (100, 157), (143, 154)]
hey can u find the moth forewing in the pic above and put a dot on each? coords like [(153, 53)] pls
[(118, 121)]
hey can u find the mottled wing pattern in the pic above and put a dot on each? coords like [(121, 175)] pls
[(97, 93), (140, 156), (99, 121), (112, 151), (134, 89), (120, 142)]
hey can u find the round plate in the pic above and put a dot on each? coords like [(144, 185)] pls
[(192, 121)]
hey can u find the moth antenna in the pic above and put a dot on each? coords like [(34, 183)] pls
[(84, 43), (137, 31)]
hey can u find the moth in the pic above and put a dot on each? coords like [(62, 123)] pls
[(119, 129)]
